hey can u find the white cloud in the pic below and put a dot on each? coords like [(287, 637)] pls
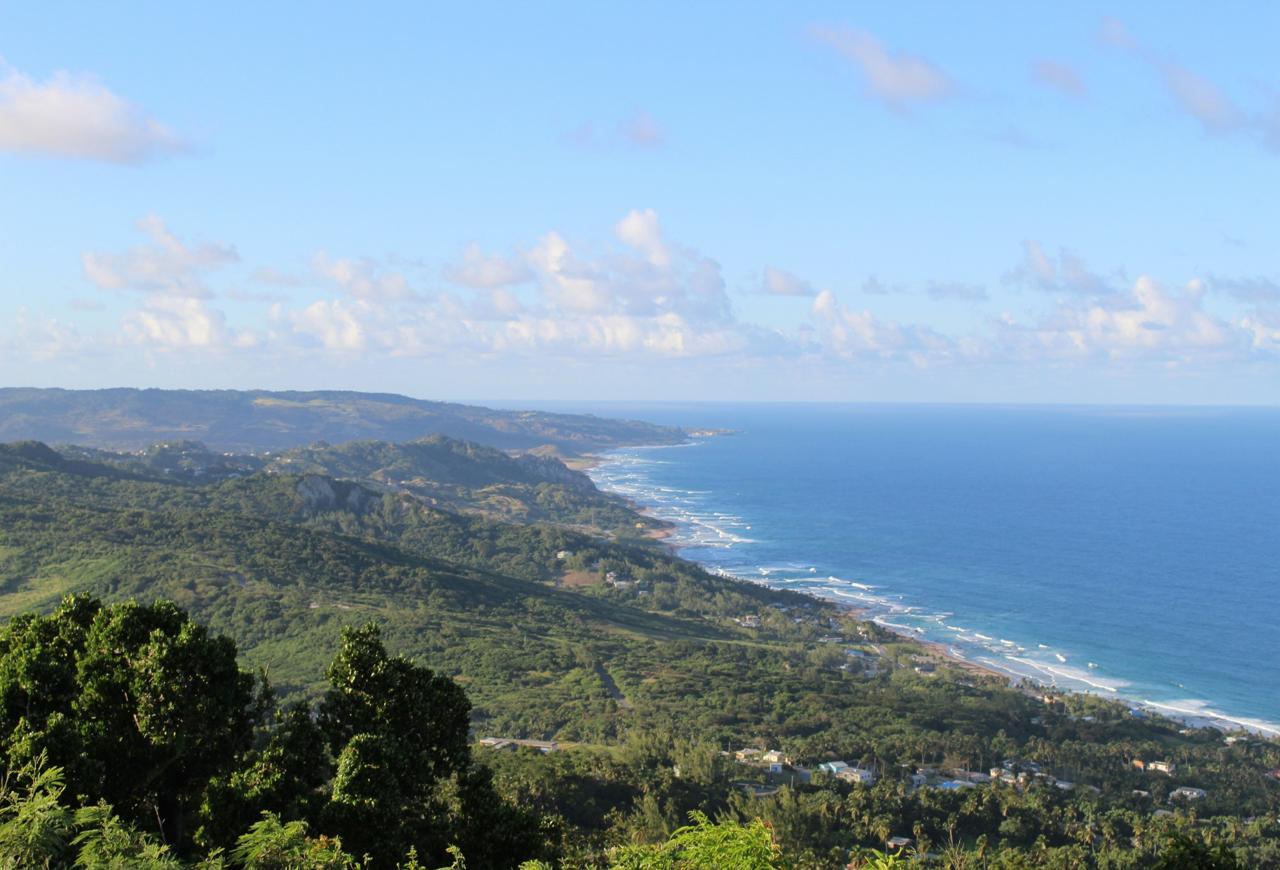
[(1068, 274), (778, 282), (640, 230), (648, 277), (333, 323), (174, 323), (1154, 324), (568, 284), (487, 271), (1058, 76), (897, 80), (166, 265), (363, 278), (861, 334), (41, 338), (78, 117)]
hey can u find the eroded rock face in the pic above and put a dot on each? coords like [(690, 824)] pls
[(320, 493), (317, 492)]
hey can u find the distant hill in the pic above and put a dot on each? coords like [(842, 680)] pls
[(247, 420), (440, 471)]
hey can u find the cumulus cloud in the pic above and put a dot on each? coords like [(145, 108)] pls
[(1058, 76), (638, 294), (41, 338), (1066, 274), (363, 278), (778, 282), (487, 271), (646, 277), (167, 265), (898, 80), (640, 230), (78, 117), (1154, 324), (860, 334), (174, 323)]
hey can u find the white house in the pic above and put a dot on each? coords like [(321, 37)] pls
[(1186, 792), (857, 774)]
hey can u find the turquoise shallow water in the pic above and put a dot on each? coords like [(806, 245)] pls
[(1130, 552)]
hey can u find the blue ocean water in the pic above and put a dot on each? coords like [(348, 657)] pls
[(1134, 552)]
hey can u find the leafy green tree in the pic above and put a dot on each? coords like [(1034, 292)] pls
[(286, 776), (106, 841), (138, 704), (405, 777), (705, 845), (34, 824), (270, 844)]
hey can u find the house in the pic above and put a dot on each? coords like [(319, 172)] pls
[(859, 775), (750, 621), (747, 755), (1186, 792), (832, 767), (563, 554), (1138, 764), (1165, 767), (775, 756), (898, 842)]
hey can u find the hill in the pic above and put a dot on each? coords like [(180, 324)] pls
[(443, 472), (257, 420)]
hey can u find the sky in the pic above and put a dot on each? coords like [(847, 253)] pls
[(996, 202)]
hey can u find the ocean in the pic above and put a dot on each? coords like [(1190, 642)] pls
[(1131, 552)]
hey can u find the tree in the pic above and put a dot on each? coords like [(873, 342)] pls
[(704, 845), (405, 777), (138, 704)]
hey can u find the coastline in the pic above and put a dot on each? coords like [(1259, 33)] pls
[(1196, 715)]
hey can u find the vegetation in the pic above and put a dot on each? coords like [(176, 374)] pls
[(139, 727)]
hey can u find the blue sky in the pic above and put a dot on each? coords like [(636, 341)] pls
[(843, 201)]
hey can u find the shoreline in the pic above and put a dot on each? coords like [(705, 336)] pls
[(1199, 716)]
